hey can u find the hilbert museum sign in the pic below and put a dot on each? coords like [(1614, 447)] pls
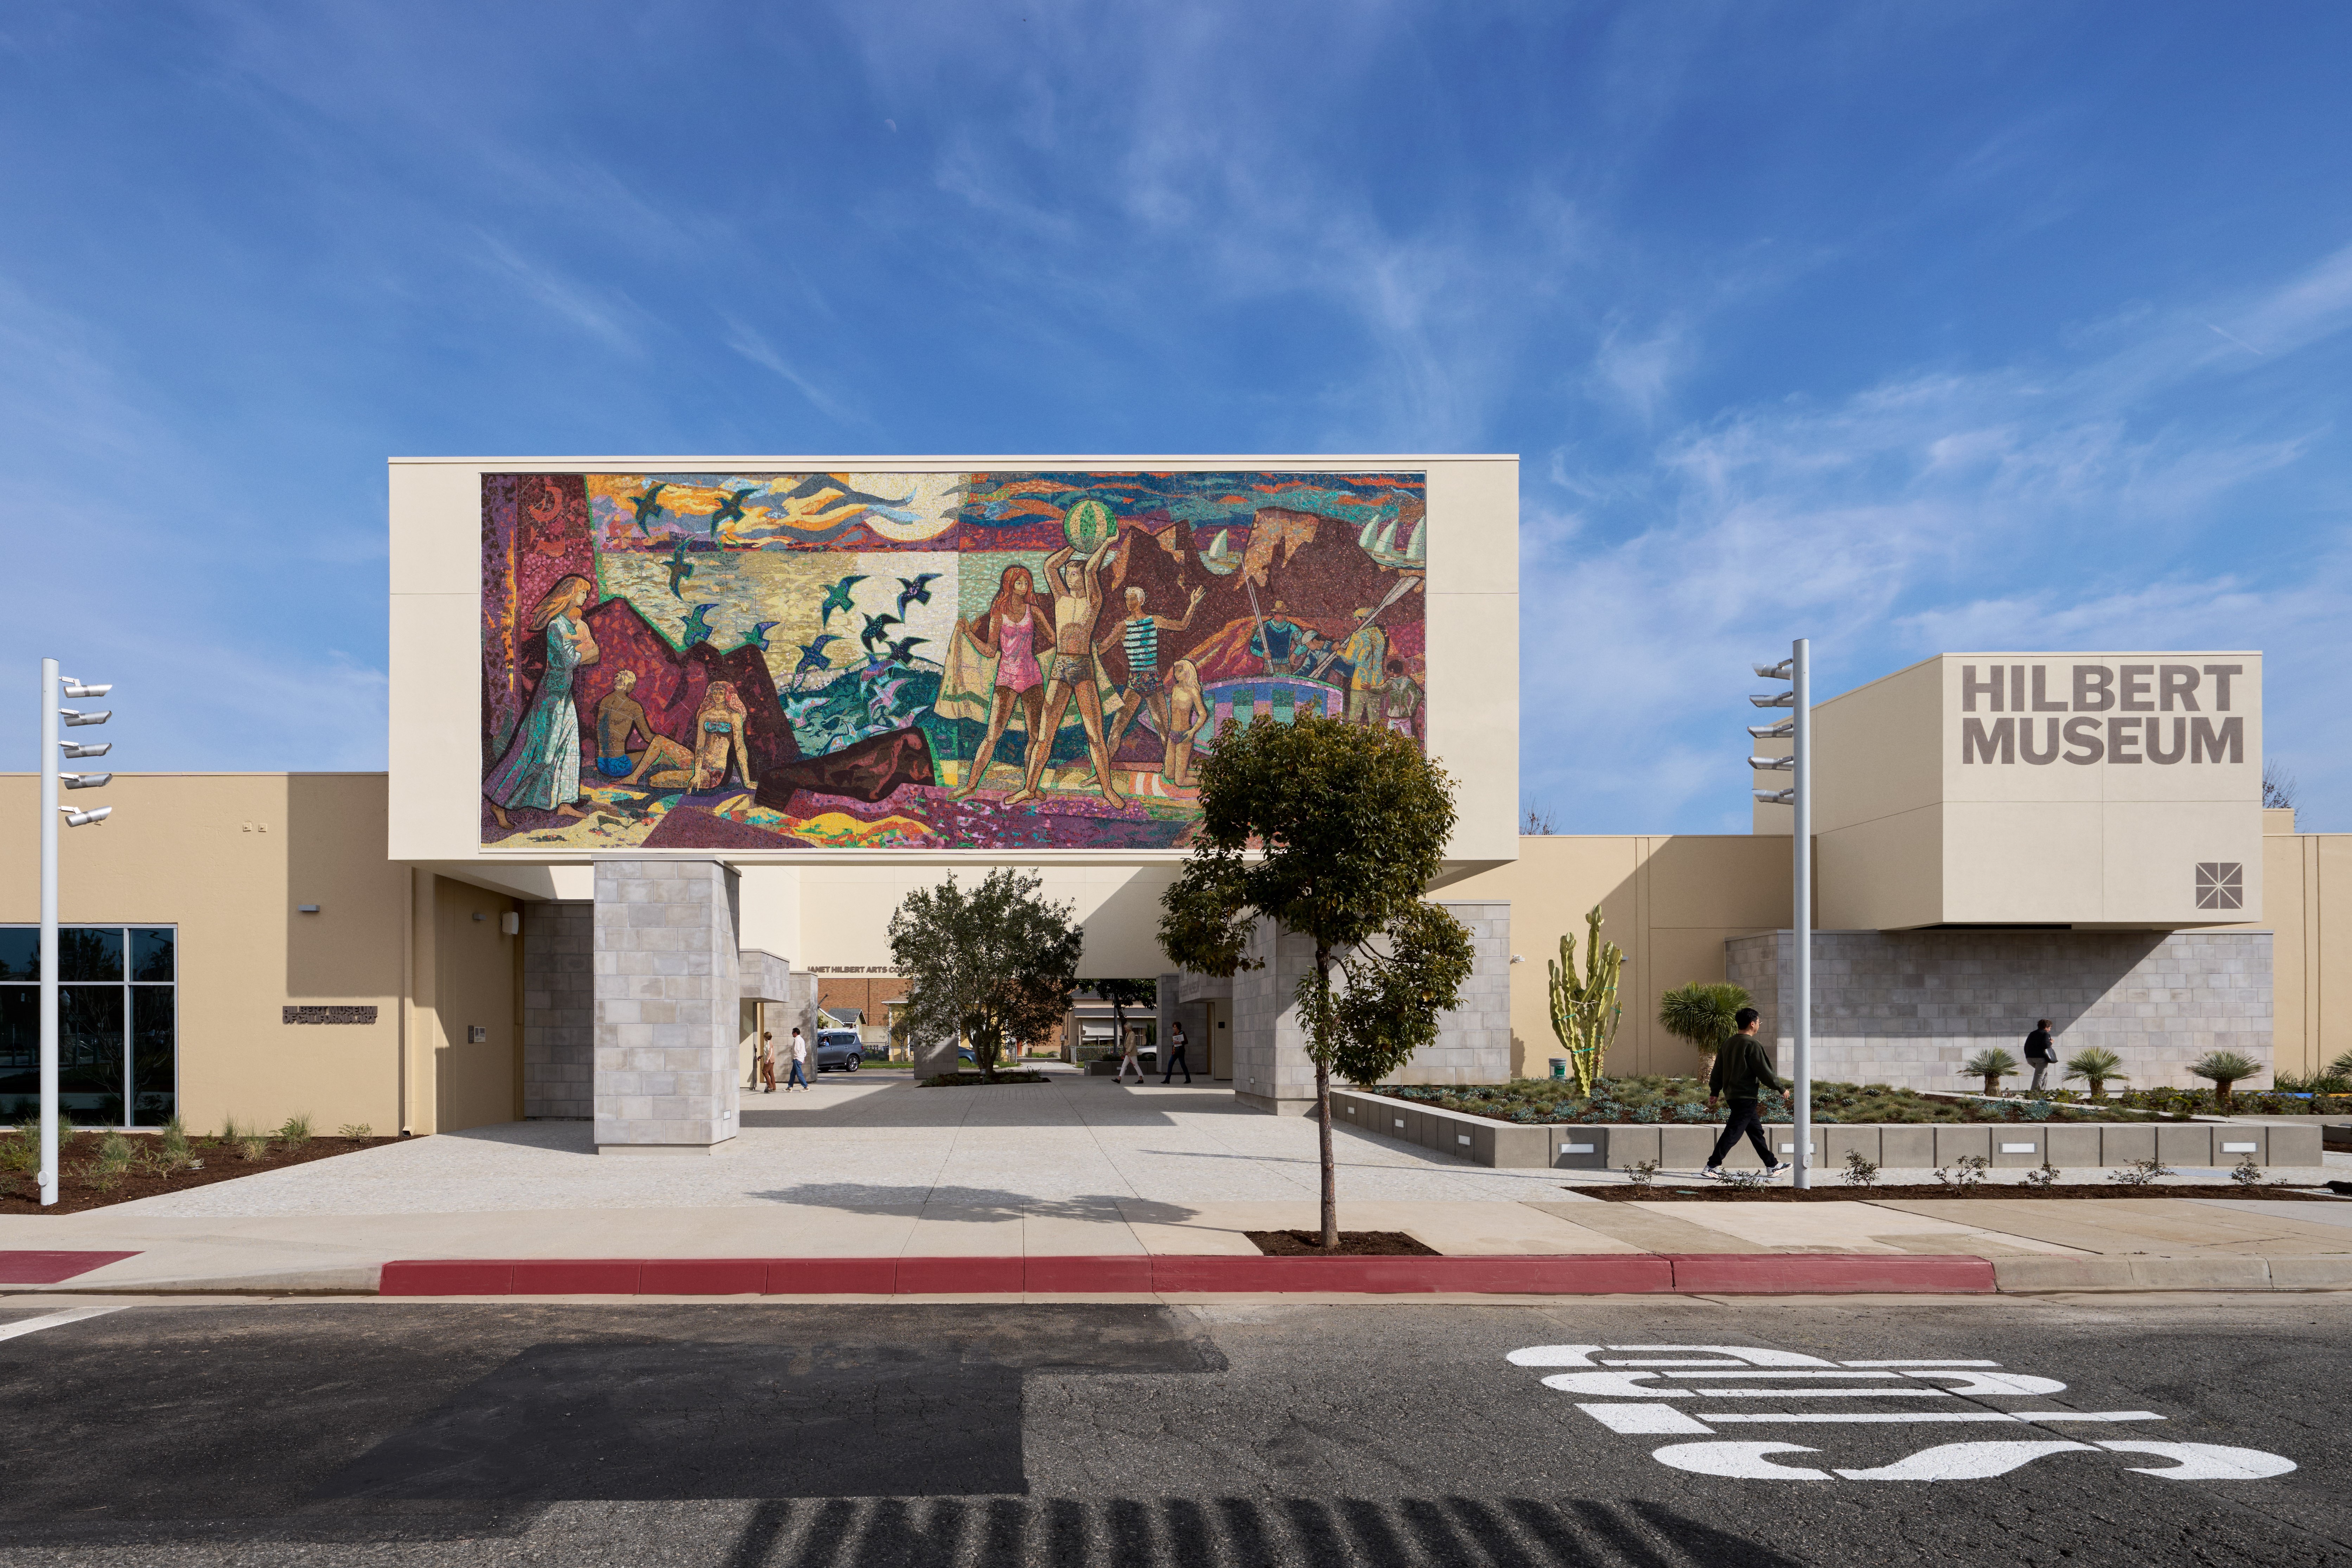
[(2166, 714)]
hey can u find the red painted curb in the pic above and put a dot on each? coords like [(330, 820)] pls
[(1543, 1274), (52, 1268), (1830, 1273)]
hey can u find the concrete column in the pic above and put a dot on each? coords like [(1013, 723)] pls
[(558, 1011), (666, 960)]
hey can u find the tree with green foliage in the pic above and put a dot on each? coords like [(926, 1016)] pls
[(1122, 995), (1332, 831), (2099, 1066), (2225, 1069), (993, 966), (1704, 1013), (1584, 1010), (1992, 1064)]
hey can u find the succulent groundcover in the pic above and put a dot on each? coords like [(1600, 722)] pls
[(1645, 1101)]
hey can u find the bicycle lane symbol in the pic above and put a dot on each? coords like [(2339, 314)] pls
[(1664, 1391)]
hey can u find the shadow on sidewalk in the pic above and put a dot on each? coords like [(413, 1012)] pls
[(978, 1202)]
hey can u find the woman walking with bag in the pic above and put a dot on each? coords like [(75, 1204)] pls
[(767, 1062)]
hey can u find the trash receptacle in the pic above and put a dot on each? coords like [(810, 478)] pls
[(1558, 1068)]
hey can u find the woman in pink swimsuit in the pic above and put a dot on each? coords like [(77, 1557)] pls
[(1015, 622)]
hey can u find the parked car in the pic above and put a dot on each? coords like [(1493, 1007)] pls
[(839, 1049)]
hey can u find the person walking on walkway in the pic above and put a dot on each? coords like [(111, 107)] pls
[(1175, 1055), (1128, 1057), (1742, 1073), (768, 1061), (2041, 1053), (800, 1064)]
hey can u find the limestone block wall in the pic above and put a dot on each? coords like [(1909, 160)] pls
[(1474, 1040), (558, 1011), (666, 960), (1906, 1008)]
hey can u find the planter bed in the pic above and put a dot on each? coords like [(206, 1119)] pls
[(1352, 1243), (1835, 1191), (1682, 1102), (2070, 1144), (78, 1187)]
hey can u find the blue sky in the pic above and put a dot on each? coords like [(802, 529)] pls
[(1908, 328)]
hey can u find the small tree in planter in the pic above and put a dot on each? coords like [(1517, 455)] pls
[(1122, 995), (1992, 1065), (994, 965), (1332, 831), (2225, 1069), (2098, 1065), (1702, 1013), (1584, 1010)]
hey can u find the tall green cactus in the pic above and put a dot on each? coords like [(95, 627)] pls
[(1584, 1012)]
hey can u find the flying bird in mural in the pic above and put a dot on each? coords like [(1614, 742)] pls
[(758, 636), (680, 568), (837, 598), (917, 590), (649, 505), (813, 656), (874, 626), (817, 484), (731, 509), (696, 628), (902, 649)]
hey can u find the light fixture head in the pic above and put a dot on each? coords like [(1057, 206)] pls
[(1772, 764), (1781, 732), (84, 748), (306, 908), (1774, 700), (72, 717), (1784, 670), (1777, 797), (84, 818), (85, 781), (75, 688)]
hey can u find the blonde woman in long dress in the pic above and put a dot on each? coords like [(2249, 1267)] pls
[(541, 768)]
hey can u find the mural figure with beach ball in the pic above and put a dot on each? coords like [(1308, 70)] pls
[(1091, 530)]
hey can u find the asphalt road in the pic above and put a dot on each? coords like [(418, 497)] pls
[(1138, 1435)]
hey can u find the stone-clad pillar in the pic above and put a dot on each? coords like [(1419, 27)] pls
[(666, 1024)]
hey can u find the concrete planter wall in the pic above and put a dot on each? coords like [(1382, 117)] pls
[(1568, 1146)]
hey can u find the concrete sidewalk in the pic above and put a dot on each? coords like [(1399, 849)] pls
[(1079, 1167)]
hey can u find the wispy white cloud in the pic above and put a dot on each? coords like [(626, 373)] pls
[(749, 342)]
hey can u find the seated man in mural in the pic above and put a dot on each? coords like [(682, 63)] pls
[(620, 718), (1077, 606), (719, 733), (1140, 634), (1313, 652), (1368, 650), (1403, 699)]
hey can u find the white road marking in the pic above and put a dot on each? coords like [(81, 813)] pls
[(1742, 1461), (1774, 1372), (1723, 1417), (1825, 1392), (52, 1321), (2207, 1461), (1964, 1461), (1918, 1363), (1645, 1418), (2048, 1415), (1996, 1382)]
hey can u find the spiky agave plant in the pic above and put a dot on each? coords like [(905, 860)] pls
[(2225, 1069), (2099, 1066)]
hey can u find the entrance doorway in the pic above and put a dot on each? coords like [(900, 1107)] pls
[(1221, 1042)]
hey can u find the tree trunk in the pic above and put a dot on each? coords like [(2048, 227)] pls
[(1323, 1124)]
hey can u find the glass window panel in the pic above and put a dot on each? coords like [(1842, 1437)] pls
[(89, 1052), (89, 952), (20, 953), (151, 953), (20, 1051), (154, 1055)]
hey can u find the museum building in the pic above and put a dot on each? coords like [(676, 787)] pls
[(672, 738)]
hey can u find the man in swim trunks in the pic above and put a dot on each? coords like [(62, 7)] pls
[(1140, 633), (1077, 606), (618, 718)]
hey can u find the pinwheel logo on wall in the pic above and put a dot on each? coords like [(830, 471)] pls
[(1695, 1391)]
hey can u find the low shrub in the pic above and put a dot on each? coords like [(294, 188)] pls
[(295, 1131), (252, 1147), (2139, 1172), (355, 1130), (1641, 1174), (1972, 1169), (1858, 1171), (2043, 1175)]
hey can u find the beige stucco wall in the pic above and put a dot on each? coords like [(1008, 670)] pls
[(2307, 902), (1669, 900), (435, 572)]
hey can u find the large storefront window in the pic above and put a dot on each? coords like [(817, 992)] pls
[(118, 1024)]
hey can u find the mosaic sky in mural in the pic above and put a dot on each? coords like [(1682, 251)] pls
[(934, 660)]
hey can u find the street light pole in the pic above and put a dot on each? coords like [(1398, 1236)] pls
[(1801, 675), (49, 809)]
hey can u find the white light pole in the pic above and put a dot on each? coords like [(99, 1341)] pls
[(53, 749), (1798, 729)]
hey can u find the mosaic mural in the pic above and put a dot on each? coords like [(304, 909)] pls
[(937, 660)]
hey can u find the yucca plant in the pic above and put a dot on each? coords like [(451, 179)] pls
[(2225, 1069), (2341, 1066), (1992, 1065), (2098, 1066), (1702, 1013)]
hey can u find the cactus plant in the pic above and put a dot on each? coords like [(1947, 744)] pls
[(1584, 1010)]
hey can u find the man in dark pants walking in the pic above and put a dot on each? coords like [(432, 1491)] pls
[(2040, 1052), (1742, 1073), (1176, 1054)]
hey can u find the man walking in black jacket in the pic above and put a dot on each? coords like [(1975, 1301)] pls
[(1742, 1072), (2040, 1052)]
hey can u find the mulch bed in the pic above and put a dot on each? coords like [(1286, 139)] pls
[(973, 1079), (1352, 1243), (78, 1163), (1727, 1193)]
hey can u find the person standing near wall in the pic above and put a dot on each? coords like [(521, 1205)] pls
[(2041, 1052), (767, 1062), (1175, 1055), (1741, 1074)]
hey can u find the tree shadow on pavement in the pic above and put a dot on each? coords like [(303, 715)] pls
[(975, 1202)]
